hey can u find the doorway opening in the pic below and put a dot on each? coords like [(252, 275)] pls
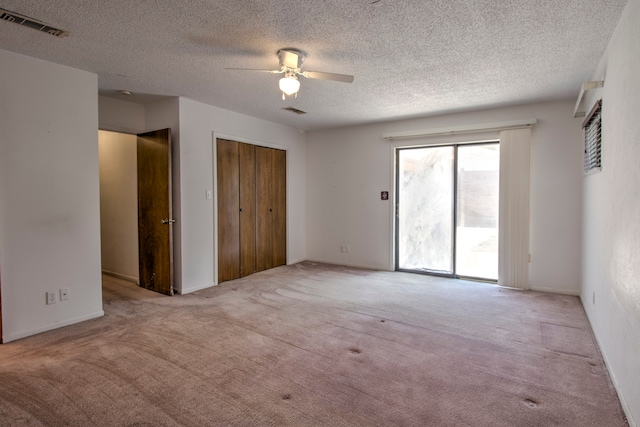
[(118, 205), (135, 208), (447, 205)]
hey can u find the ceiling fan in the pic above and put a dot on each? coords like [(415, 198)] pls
[(291, 61)]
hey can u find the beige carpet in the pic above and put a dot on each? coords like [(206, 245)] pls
[(315, 345)]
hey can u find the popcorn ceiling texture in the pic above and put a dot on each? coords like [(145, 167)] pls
[(410, 58)]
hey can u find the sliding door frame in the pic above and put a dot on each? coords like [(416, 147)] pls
[(454, 207)]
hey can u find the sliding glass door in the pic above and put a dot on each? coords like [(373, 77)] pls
[(447, 210), (424, 209), (477, 211)]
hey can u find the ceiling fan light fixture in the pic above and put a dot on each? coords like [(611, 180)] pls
[(289, 85), (291, 61)]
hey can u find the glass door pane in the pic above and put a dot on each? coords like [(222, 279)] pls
[(425, 214), (477, 211)]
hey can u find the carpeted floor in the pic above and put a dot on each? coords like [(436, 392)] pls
[(315, 345)]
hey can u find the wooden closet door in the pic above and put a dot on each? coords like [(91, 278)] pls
[(247, 161), (264, 209), (228, 174), (279, 197)]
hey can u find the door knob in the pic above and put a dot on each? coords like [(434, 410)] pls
[(168, 221)]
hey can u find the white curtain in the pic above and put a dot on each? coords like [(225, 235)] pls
[(513, 258)]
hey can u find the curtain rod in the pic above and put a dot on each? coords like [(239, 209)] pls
[(510, 124)]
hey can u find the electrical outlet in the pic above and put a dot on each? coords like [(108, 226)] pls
[(64, 294), (342, 248), (51, 298)]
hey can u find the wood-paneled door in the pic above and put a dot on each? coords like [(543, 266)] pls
[(247, 190), (251, 208), (228, 174), (155, 214), (271, 207), (236, 174), (264, 209), (279, 200)]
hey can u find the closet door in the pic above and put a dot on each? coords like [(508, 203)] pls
[(279, 201), (228, 174), (252, 209), (264, 209), (247, 161)]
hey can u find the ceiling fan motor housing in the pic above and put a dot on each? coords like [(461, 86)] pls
[(291, 58)]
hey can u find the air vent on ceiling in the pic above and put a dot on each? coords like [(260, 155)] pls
[(294, 110), (16, 18)]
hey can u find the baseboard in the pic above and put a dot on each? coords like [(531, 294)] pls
[(49, 327), (614, 380), (122, 276), (556, 291), (343, 264)]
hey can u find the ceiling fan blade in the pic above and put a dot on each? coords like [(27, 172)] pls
[(255, 69), (327, 76)]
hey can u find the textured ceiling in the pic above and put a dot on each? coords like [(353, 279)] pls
[(410, 58)]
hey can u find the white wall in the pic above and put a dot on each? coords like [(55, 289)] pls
[(121, 116), (197, 124), (347, 168), (119, 204), (611, 250), (49, 195)]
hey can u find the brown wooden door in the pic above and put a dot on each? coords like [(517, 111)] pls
[(247, 161), (264, 209), (279, 202), (155, 216), (252, 218), (228, 174)]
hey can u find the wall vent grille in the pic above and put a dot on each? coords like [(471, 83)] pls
[(294, 110), (16, 18)]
